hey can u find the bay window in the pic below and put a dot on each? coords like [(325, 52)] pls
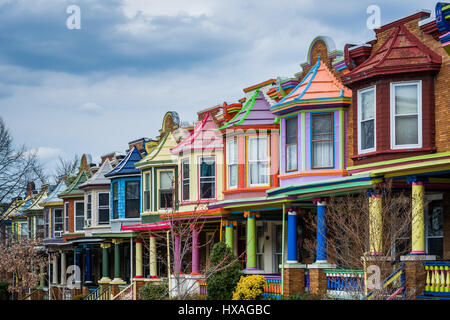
[(165, 190), (185, 177), (291, 143), (58, 220), (322, 140), (89, 207), (132, 199), (406, 115), (366, 120), (103, 208), (147, 196), (258, 161), (232, 164), (207, 177)]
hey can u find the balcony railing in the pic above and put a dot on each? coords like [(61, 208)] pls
[(272, 289)]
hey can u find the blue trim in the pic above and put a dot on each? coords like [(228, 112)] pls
[(321, 233), (292, 237)]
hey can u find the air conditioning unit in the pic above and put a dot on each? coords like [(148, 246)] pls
[(87, 222), (58, 234)]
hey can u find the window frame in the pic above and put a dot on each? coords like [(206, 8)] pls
[(66, 217), (173, 192), (88, 207), (234, 141), (200, 160), (115, 203), (419, 114), (138, 201), (75, 203), (62, 220), (103, 207), (359, 119), (257, 137), (147, 177), (286, 145), (183, 179), (312, 141)]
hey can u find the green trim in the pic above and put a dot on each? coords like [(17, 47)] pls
[(344, 271), (245, 107), (423, 157), (249, 108), (312, 102), (312, 110)]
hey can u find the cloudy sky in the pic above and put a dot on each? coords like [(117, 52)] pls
[(92, 90)]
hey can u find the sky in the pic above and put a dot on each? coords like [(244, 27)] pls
[(93, 89)]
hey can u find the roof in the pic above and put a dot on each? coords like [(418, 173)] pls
[(126, 166), (160, 154), (73, 190), (99, 179), (256, 111), (318, 87), (204, 136), (401, 52), (53, 198), (36, 201)]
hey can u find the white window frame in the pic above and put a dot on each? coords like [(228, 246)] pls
[(419, 114), (66, 217), (201, 159), (75, 216), (359, 111), (147, 175), (159, 190), (183, 162), (103, 207), (231, 162), (257, 161)]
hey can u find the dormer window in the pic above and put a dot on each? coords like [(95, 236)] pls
[(406, 115), (258, 161), (366, 120)]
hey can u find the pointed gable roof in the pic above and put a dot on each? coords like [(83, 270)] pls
[(255, 112), (99, 179), (126, 166), (73, 189), (53, 198), (401, 52), (204, 136), (160, 154), (318, 88), (36, 201)]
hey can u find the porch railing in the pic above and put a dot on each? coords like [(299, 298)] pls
[(272, 289), (99, 294), (345, 283), (128, 293), (437, 283), (33, 295)]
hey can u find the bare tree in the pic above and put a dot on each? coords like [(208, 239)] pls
[(17, 167), (66, 167), (355, 240)]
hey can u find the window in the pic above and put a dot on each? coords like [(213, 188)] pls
[(103, 208), (66, 214), (291, 144), (47, 219), (434, 228), (366, 120), (258, 161), (58, 220), (39, 227), (322, 140), (24, 232), (79, 216), (406, 115), (147, 195), (232, 165), (185, 176), (165, 190), (89, 207), (132, 199), (115, 200), (207, 185)]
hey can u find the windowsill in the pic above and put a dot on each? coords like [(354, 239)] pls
[(249, 189), (391, 151)]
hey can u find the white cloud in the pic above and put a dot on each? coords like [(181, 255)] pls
[(91, 108)]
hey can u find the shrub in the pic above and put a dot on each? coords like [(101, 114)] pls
[(250, 288), (220, 284), (79, 297), (153, 292), (4, 294)]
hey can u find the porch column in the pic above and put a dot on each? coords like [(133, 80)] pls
[(229, 235), (117, 279), (375, 224), (139, 267), (55, 269), (87, 262), (418, 225), (251, 240), (152, 257), (177, 254), (105, 263), (63, 268), (321, 235), (292, 236), (195, 251)]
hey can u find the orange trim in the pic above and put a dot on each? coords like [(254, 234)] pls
[(253, 127), (189, 213), (259, 85), (313, 173), (254, 189)]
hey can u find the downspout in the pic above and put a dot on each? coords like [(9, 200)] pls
[(282, 250), (48, 276)]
